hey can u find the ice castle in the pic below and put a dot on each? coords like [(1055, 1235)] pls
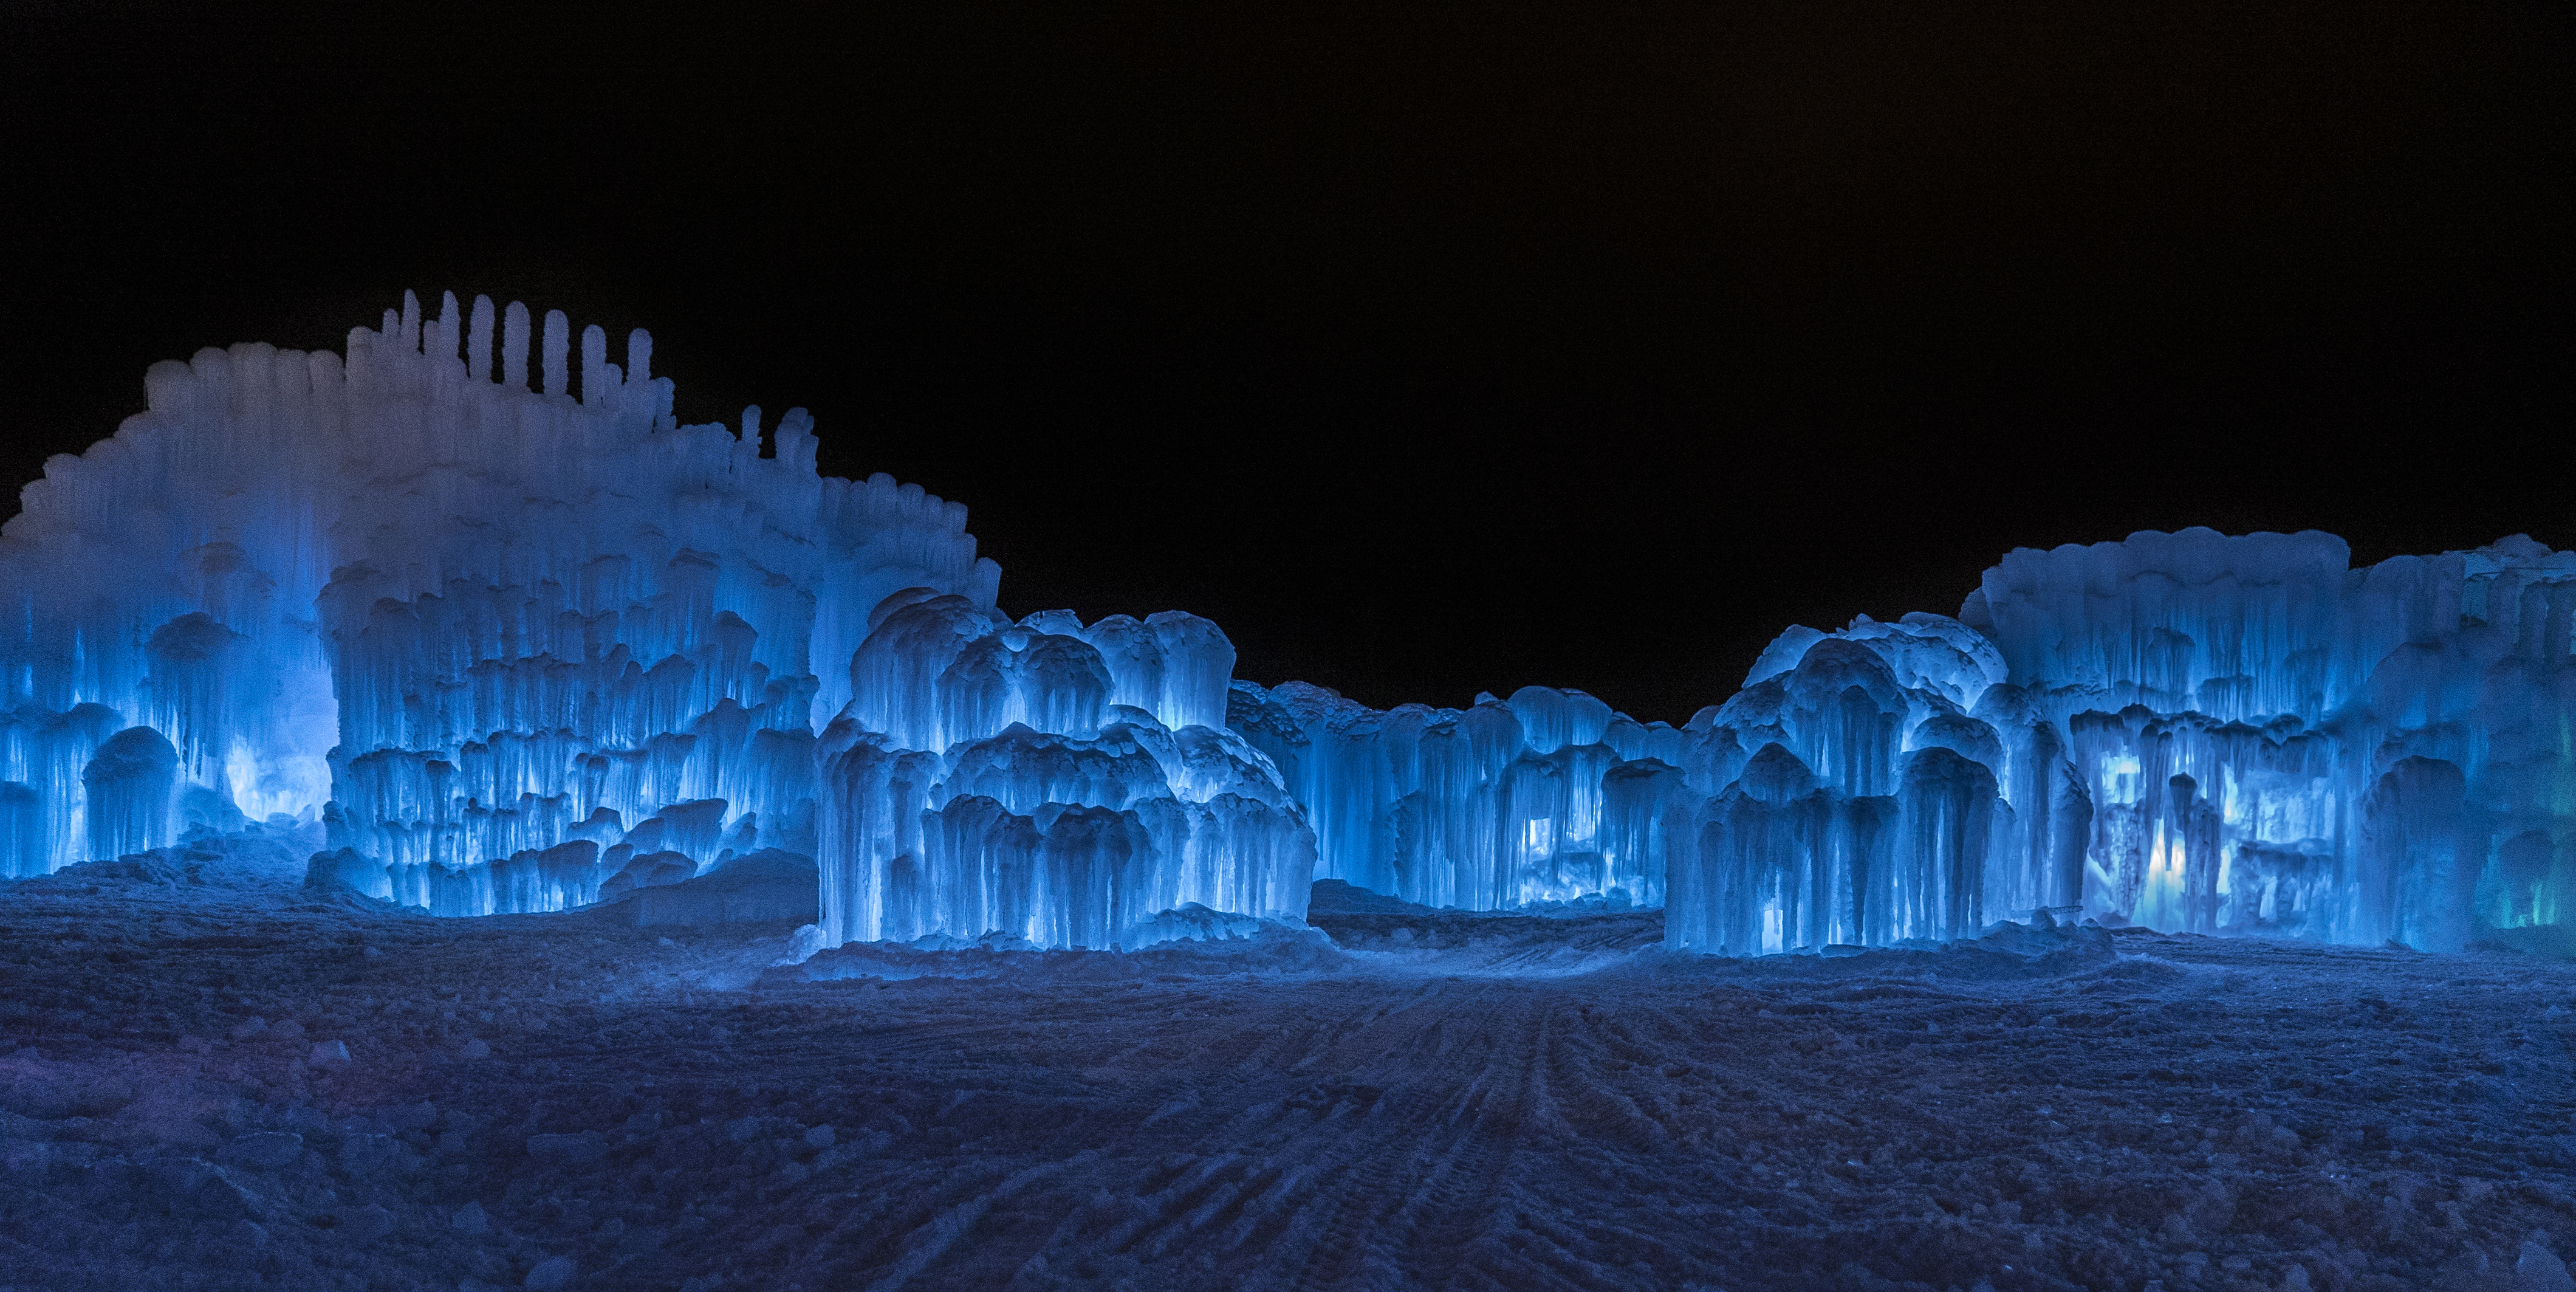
[(524, 642)]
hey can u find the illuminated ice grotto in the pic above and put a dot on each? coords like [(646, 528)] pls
[(525, 647)]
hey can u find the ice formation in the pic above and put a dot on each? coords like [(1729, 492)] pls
[(1548, 796), (522, 647), (1051, 782), (506, 640), (1864, 787), (2277, 742), (2187, 731)]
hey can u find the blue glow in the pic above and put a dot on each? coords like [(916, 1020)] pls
[(522, 650)]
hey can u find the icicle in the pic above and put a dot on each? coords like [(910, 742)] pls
[(558, 350), (451, 323), (514, 348), (478, 341), (594, 364)]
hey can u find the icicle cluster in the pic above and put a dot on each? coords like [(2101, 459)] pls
[(2275, 742), (2186, 731), (1547, 797), (1858, 796), (521, 642), (1046, 781)]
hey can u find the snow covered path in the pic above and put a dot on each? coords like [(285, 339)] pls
[(1443, 1101)]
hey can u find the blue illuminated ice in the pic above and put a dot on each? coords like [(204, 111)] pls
[(466, 620), (2187, 731), (523, 649), (1047, 781), (1549, 796), (2276, 742)]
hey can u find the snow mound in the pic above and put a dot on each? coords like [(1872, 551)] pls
[(2037, 950), (265, 856), (1334, 897), (1415, 940), (772, 884), (1201, 944)]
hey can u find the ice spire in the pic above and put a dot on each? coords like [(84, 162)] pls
[(478, 345), (558, 348), (514, 347)]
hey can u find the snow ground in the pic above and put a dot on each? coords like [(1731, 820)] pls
[(1393, 1098)]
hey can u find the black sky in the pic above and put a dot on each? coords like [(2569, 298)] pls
[(1428, 349)]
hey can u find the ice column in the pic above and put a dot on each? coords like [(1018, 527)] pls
[(130, 784)]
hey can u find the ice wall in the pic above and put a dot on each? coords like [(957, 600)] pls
[(1882, 816), (473, 595), (475, 599), (2276, 742), (2187, 731), (1046, 781), (1549, 796)]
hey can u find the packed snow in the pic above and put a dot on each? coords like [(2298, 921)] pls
[(214, 1076)]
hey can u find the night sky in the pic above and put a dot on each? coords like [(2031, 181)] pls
[(1428, 352)]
